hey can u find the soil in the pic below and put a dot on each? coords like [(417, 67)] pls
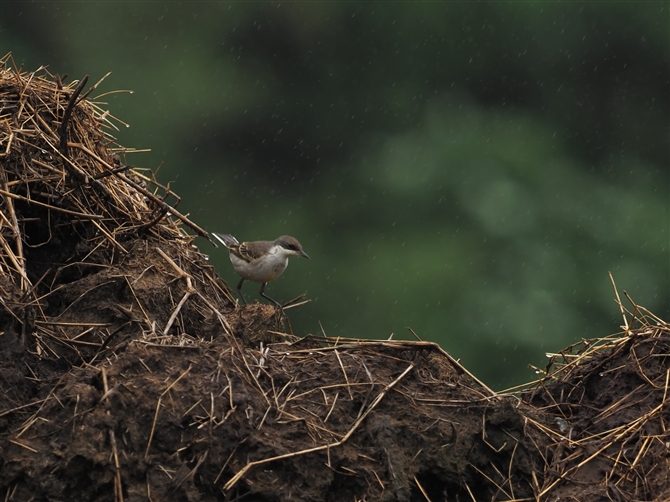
[(130, 372)]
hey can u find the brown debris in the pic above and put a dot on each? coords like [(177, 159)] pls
[(129, 372)]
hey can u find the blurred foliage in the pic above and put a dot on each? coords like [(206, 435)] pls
[(471, 170)]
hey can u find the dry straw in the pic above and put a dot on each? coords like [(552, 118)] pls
[(68, 197)]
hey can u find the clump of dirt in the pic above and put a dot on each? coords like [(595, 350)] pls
[(129, 371)]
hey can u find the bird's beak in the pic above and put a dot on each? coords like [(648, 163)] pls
[(302, 253)]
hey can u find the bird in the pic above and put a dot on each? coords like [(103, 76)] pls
[(260, 261)]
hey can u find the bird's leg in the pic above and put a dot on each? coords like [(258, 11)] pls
[(239, 291), (267, 297)]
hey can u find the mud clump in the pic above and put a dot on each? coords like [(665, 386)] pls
[(129, 372)]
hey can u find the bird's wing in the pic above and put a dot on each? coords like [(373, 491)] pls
[(249, 251)]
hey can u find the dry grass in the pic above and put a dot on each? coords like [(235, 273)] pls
[(68, 197)]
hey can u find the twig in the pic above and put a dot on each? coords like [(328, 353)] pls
[(470, 491), (331, 408), (17, 443), (618, 301), (83, 216), (225, 464), (7, 412), (118, 486), (346, 378), (190, 290), (423, 492), (105, 174), (179, 480), (414, 333), (635, 309), (158, 407), (62, 130), (94, 86), (18, 259)]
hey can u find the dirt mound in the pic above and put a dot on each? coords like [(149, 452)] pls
[(609, 399), (129, 372)]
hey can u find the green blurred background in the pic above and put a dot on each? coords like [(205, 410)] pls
[(471, 170)]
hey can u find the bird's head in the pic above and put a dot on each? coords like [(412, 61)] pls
[(291, 246)]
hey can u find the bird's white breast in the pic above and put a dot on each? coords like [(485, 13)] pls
[(263, 269)]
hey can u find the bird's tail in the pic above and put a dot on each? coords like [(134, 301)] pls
[(226, 239)]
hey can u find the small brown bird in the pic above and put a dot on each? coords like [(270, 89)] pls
[(260, 261)]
